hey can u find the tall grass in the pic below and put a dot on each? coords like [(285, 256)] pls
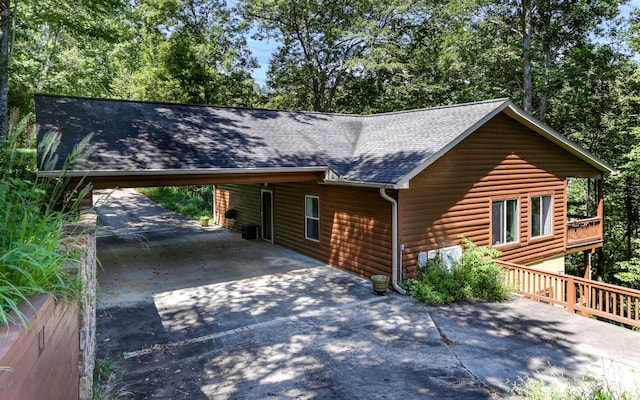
[(33, 214), (551, 384)]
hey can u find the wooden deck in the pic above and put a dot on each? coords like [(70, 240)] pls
[(576, 295), (584, 234)]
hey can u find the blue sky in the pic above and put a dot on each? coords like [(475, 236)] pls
[(262, 49)]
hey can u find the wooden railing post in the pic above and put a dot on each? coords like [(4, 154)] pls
[(576, 294), (571, 294), (600, 209)]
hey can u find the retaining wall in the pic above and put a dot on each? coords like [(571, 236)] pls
[(53, 356), (40, 361)]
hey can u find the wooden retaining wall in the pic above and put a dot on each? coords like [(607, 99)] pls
[(40, 361), (53, 356)]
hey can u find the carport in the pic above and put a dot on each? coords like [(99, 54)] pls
[(198, 312), (146, 250)]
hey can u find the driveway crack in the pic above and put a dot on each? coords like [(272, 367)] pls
[(449, 344)]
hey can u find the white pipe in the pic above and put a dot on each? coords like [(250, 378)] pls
[(394, 240)]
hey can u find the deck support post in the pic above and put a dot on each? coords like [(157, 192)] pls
[(587, 264)]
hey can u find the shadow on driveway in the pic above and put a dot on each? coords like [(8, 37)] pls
[(206, 315)]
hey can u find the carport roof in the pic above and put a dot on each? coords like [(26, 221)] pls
[(132, 138)]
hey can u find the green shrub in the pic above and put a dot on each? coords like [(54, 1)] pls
[(439, 285), (477, 275), (485, 277)]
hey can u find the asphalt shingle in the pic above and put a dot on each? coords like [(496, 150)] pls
[(128, 135)]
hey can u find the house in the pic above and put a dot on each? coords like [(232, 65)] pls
[(374, 194)]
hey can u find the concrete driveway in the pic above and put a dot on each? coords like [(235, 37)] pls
[(198, 313)]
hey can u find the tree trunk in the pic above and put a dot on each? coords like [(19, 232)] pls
[(5, 6), (526, 55), (629, 211), (544, 92)]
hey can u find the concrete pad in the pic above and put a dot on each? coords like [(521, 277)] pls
[(206, 315), (501, 342), (318, 333), (129, 215), (136, 269)]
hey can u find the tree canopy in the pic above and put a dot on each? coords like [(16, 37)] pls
[(572, 64)]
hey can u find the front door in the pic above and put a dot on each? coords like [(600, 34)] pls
[(267, 215)]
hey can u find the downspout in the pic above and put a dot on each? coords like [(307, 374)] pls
[(394, 240)]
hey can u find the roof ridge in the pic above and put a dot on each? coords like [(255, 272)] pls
[(169, 103), (472, 103)]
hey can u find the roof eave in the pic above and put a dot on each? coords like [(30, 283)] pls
[(363, 184), (513, 111), (198, 171)]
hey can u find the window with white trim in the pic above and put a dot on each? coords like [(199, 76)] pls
[(504, 222), (541, 216), (312, 218)]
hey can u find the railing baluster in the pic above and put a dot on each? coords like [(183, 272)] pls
[(600, 299), (589, 297)]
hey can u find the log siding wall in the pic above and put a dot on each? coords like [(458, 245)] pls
[(501, 160), (245, 199), (355, 223)]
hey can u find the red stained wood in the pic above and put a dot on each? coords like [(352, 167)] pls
[(502, 159), (44, 356), (355, 223), (450, 198)]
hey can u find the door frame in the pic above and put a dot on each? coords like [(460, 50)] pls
[(262, 216)]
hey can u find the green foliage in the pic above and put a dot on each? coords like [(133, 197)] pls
[(553, 386), (185, 51), (32, 259), (62, 47), (477, 275), (628, 271), (439, 285), (191, 201), (324, 45)]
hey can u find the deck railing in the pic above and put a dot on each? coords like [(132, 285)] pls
[(584, 231), (575, 294)]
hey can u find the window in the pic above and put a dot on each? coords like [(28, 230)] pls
[(541, 216), (312, 218), (504, 221)]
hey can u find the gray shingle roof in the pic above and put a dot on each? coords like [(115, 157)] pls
[(392, 145), (130, 135), (139, 136)]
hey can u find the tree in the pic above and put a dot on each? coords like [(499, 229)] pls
[(5, 14), (34, 36), (547, 30), (323, 45), (187, 51)]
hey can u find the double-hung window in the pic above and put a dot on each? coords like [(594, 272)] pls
[(541, 216), (312, 218), (504, 221)]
